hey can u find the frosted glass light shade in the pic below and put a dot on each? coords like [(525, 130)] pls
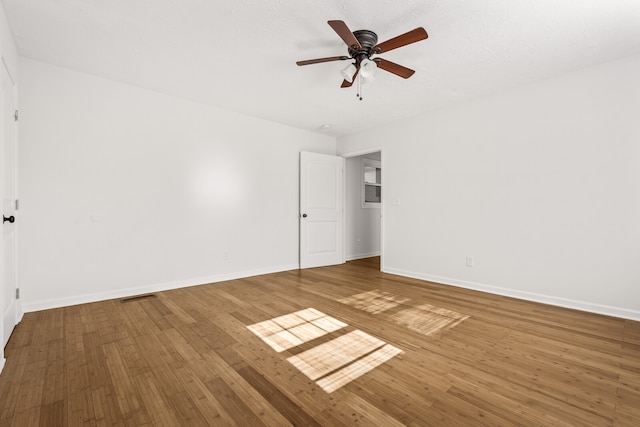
[(368, 69), (348, 72)]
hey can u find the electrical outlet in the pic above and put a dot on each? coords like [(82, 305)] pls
[(469, 261), (225, 255)]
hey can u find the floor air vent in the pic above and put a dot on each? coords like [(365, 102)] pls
[(138, 297)]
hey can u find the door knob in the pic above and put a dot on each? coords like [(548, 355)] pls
[(303, 216), (11, 219)]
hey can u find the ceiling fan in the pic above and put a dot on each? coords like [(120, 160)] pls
[(362, 45)]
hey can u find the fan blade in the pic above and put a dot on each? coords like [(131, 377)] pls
[(347, 83), (319, 60), (394, 68), (401, 40), (345, 34)]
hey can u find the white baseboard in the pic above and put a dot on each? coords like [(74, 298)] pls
[(528, 296), (623, 313), (158, 287), (360, 256), (2, 362), (19, 311)]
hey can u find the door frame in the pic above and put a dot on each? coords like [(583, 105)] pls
[(359, 153), (13, 144)]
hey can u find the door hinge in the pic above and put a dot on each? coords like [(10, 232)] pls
[(17, 293), (17, 204)]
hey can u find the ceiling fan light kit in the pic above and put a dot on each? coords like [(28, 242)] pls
[(362, 45)]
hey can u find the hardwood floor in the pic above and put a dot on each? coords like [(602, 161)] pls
[(335, 346)]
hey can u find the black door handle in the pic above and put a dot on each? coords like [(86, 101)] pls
[(303, 216), (11, 219)]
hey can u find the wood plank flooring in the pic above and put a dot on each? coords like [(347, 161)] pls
[(392, 351)]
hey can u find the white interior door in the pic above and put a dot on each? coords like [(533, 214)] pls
[(321, 210), (8, 247)]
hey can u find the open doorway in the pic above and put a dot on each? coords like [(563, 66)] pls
[(363, 205)]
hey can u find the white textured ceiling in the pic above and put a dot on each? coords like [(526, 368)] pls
[(241, 54)]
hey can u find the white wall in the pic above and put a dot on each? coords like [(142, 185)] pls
[(541, 185), (363, 224), (124, 190), (7, 46)]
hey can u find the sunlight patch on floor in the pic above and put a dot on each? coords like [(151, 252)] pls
[(325, 358), (358, 368), (374, 302), (332, 364), (427, 319), (291, 330)]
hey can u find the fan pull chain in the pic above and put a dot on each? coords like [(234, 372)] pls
[(359, 87)]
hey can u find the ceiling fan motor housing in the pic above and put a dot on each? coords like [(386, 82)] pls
[(367, 39)]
